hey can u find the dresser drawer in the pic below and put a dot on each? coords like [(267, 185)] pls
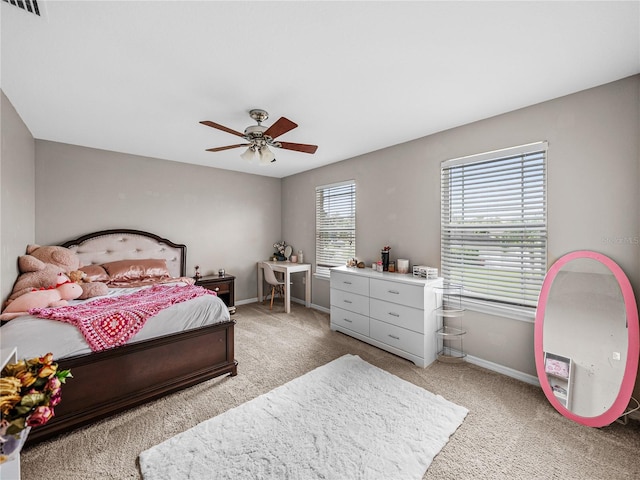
[(350, 301), (397, 337), (353, 321), (350, 283), (217, 287), (411, 295), (400, 315)]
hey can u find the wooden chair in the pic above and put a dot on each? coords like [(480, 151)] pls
[(276, 285)]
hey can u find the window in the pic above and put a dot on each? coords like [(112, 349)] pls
[(335, 225), (494, 225)]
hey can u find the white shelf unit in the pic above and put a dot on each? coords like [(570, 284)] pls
[(450, 333), (559, 370)]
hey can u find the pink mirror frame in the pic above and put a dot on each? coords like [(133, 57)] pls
[(631, 369)]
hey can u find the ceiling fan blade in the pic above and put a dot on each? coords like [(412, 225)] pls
[(298, 147), (283, 125), (221, 127), (219, 149)]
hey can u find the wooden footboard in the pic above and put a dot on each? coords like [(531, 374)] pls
[(111, 381)]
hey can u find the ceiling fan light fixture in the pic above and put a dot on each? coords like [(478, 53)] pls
[(266, 156), (249, 154)]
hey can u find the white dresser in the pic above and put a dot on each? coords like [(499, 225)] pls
[(393, 311)]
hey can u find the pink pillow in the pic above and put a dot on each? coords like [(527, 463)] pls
[(136, 270), (95, 273)]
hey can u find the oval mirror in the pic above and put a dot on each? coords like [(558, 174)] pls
[(586, 338)]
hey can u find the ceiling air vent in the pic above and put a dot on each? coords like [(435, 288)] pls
[(30, 6)]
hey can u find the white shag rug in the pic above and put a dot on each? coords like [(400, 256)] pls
[(345, 420)]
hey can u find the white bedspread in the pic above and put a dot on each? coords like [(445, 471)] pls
[(37, 336)]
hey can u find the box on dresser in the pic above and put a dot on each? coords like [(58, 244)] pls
[(392, 311)]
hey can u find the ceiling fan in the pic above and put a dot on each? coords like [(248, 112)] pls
[(260, 138)]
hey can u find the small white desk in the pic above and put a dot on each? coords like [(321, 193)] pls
[(287, 268)]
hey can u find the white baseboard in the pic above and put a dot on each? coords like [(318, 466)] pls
[(294, 300), (509, 372), (247, 300), (313, 305)]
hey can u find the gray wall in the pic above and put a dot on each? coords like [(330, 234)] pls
[(227, 219), (17, 193), (231, 220), (593, 196)]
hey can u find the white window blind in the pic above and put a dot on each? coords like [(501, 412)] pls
[(335, 225), (494, 224)]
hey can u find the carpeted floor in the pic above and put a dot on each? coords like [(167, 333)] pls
[(511, 432)]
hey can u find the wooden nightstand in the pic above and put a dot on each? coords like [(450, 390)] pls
[(223, 286)]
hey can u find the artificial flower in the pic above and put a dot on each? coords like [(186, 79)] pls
[(7, 402), (280, 246), (27, 378), (29, 389), (40, 416), (55, 399)]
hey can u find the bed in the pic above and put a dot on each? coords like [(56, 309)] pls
[(155, 362)]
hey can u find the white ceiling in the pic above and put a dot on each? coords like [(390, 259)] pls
[(137, 77)]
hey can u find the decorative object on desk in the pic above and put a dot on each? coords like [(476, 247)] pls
[(221, 272), (379, 266), (293, 259), (197, 275), (392, 266), (29, 389), (385, 257), (280, 250), (352, 262), (360, 265), (300, 256), (403, 265), (287, 252)]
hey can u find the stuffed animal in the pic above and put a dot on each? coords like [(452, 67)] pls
[(57, 296), (77, 276), (40, 267)]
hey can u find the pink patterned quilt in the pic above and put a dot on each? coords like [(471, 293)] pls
[(111, 321)]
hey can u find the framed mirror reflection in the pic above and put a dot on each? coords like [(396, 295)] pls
[(586, 338)]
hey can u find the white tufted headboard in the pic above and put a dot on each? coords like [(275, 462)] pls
[(125, 244)]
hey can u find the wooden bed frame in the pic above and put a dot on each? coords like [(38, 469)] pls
[(108, 382)]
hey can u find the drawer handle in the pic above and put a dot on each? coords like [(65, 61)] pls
[(393, 314), (347, 301), (217, 289), (347, 320), (394, 337), (346, 283), (395, 292)]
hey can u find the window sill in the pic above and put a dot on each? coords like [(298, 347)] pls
[(522, 314)]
